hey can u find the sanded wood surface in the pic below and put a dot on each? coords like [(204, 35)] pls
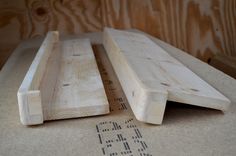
[(199, 27), (29, 97), (63, 81), (150, 76), (79, 90), (213, 133)]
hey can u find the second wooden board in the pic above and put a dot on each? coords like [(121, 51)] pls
[(150, 76)]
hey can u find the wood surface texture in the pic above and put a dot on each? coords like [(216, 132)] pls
[(30, 91), (200, 27), (213, 133), (62, 82), (224, 63), (150, 76)]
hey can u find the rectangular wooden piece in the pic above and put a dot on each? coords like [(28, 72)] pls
[(62, 82), (149, 77)]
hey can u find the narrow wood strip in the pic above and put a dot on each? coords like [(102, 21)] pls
[(29, 98)]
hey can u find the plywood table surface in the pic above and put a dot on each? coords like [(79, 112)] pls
[(186, 130)]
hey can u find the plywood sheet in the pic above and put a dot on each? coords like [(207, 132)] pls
[(201, 28)]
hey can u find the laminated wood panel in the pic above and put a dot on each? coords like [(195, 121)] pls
[(200, 27)]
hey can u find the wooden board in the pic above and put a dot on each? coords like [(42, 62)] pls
[(201, 28), (149, 77), (182, 123), (63, 81)]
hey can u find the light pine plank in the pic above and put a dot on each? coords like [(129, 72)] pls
[(62, 82), (29, 97), (79, 90), (180, 125), (150, 76)]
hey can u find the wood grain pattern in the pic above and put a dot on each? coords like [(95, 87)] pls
[(149, 77), (62, 82), (202, 28), (29, 93), (21, 20), (199, 27)]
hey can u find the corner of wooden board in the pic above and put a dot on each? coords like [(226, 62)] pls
[(55, 35), (153, 112), (30, 107)]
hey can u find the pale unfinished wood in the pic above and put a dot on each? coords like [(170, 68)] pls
[(180, 123), (150, 76), (29, 97), (63, 81)]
